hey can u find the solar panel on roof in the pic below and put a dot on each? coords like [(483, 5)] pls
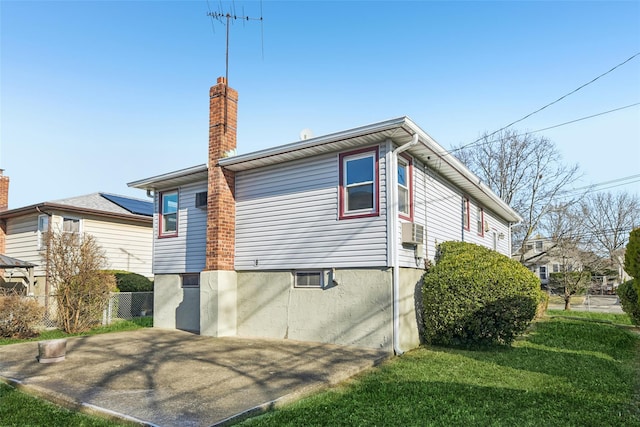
[(135, 206)]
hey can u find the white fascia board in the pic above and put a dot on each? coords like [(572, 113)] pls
[(191, 174), (240, 162)]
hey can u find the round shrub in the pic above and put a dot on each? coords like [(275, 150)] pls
[(628, 295), (476, 296), (127, 281)]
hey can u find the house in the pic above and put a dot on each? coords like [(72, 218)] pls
[(122, 226), (324, 239), (547, 255)]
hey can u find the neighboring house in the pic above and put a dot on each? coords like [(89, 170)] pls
[(122, 226), (323, 240), (545, 256), (541, 259)]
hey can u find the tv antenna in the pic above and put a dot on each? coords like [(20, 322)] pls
[(226, 19)]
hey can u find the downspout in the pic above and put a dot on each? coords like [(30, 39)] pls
[(46, 265), (392, 211)]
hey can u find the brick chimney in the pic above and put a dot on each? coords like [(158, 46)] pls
[(221, 205), (4, 205)]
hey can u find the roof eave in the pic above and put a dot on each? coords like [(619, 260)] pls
[(170, 179)]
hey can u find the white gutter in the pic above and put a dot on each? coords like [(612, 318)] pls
[(392, 212)]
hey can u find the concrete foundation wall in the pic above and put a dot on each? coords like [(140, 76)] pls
[(218, 303), (410, 307), (355, 311), (175, 307)]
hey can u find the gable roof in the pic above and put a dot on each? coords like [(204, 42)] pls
[(100, 204), (399, 130)]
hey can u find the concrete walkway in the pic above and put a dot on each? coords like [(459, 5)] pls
[(170, 378)]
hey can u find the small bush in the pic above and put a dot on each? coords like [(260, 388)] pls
[(19, 316), (127, 281), (628, 295), (476, 296)]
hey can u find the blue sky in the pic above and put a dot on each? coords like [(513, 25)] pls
[(95, 94)]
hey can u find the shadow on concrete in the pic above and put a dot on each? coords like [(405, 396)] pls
[(168, 377)]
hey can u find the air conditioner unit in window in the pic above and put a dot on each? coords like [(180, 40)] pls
[(412, 233), (201, 200)]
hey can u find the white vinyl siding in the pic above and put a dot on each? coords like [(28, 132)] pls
[(444, 218), (127, 246), (184, 253), (287, 218), (22, 241)]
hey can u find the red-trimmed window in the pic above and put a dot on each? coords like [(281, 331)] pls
[(359, 190), (466, 214), (168, 218), (480, 221), (405, 187)]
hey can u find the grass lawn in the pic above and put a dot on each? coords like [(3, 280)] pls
[(565, 372), (20, 409), (117, 326)]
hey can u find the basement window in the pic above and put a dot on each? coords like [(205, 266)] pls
[(190, 280), (309, 279)]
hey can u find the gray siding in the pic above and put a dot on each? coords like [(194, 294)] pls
[(186, 251), (287, 218)]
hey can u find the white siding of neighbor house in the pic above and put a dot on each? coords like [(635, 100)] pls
[(127, 246), (184, 253), (287, 218), (22, 241)]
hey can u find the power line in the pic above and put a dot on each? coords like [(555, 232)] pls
[(594, 187), (556, 101), (582, 118), (481, 142)]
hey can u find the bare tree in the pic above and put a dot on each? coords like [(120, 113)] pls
[(526, 171), (566, 233), (609, 218), (74, 263)]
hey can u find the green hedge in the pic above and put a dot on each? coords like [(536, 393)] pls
[(127, 281), (476, 296), (628, 295)]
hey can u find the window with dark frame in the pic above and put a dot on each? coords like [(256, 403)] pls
[(359, 190), (309, 279), (168, 213), (190, 280), (543, 272)]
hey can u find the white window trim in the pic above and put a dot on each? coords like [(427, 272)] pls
[(41, 233), (344, 202), (320, 273), (71, 218), (408, 164), (161, 232)]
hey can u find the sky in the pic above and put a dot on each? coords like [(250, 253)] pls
[(96, 94)]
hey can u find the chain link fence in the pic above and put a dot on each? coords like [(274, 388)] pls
[(122, 305)]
